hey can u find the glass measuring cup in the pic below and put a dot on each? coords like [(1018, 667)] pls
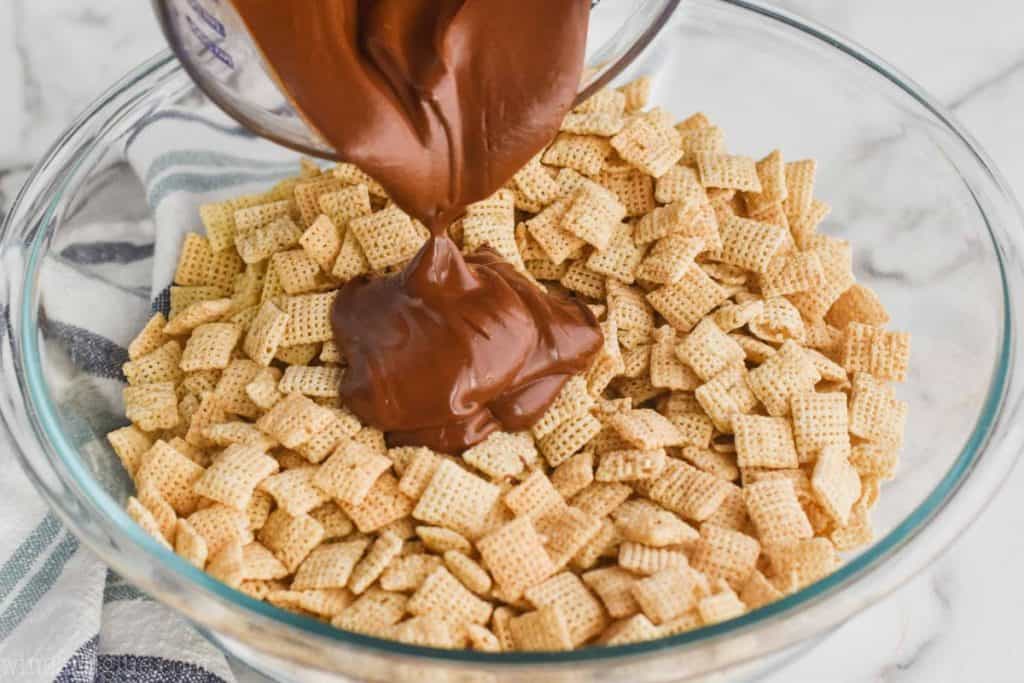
[(214, 46)]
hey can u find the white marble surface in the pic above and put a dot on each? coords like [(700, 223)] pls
[(957, 621)]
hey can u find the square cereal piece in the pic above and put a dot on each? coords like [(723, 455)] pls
[(785, 374), (210, 347), (183, 297), (416, 475), (709, 350), (343, 205), (515, 555), (329, 565), (199, 265), (722, 553), (220, 526), (230, 388), (873, 350), (372, 613), (262, 242), (567, 530), (799, 187), (779, 321), (696, 139), (771, 172), (206, 311), (641, 521), (323, 603), (720, 607), (649, 144), (307, 195), (388, 237), (536, 182), (583, 153), (593, 214), (297, 273), (667, 594), (645, 429), (172, 475), (141, 515), (350, 473), (688, 491), (534, 497), (682, 217), (836, 484), (316, 381), (440, 540), (636, 93), (584, 614), (605, 543), (309, 319), (875, 413), (858, 304), (819, 420), (407, 573), (189, 545), (776, 512), (728, 172), (336, 523), (764, 442), (635, 629), (152, 406), (667, 371), (604, 100), (678, 183), (322, 242), (684, 303), (350, 174), (722, 465), (804, 230), (259, 564), (567, 438), (646, 561), (492, 222), (748, 244), (759, 591), (546, 229), (262, 390), (601, 497), (804, 561), (456, 499), (130, 443), (234, 475), (291, 539), (249, 218), (545, 629), (696, 429), (633, 187), (621, 258), (836, 257), (732, 513), (574, 475), (299, 354), (351, 261), (293, 490), (237, 432), (871, 460), (443, 596), (725, 395), (791, 273), (580, 279), (326, 441), (383, 505), (151, 338), (468, 572), (294, 420), (614, 586), (669, 259), (161, 365), (629, 310), (502, 454)]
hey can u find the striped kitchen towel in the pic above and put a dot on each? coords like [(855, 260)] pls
[(64, 616)]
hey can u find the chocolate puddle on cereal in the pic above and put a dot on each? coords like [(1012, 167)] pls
[(441, 101)]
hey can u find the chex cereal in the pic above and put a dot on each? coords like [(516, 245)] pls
[(725, 449)]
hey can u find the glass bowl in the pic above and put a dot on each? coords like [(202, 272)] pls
[(935, 232)]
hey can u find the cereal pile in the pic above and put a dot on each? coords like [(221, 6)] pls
[(725, 447)]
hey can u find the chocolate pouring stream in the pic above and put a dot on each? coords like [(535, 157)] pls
[(441, 101)]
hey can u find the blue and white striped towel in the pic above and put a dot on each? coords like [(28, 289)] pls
[(63, 615)]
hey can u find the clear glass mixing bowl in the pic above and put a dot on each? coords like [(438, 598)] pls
[(935, 230)]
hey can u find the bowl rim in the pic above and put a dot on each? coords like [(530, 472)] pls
[(856, 568)]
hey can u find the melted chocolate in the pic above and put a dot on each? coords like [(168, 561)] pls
[(441, 101)]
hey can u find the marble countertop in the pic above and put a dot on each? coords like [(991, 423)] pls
[(955, 621)]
